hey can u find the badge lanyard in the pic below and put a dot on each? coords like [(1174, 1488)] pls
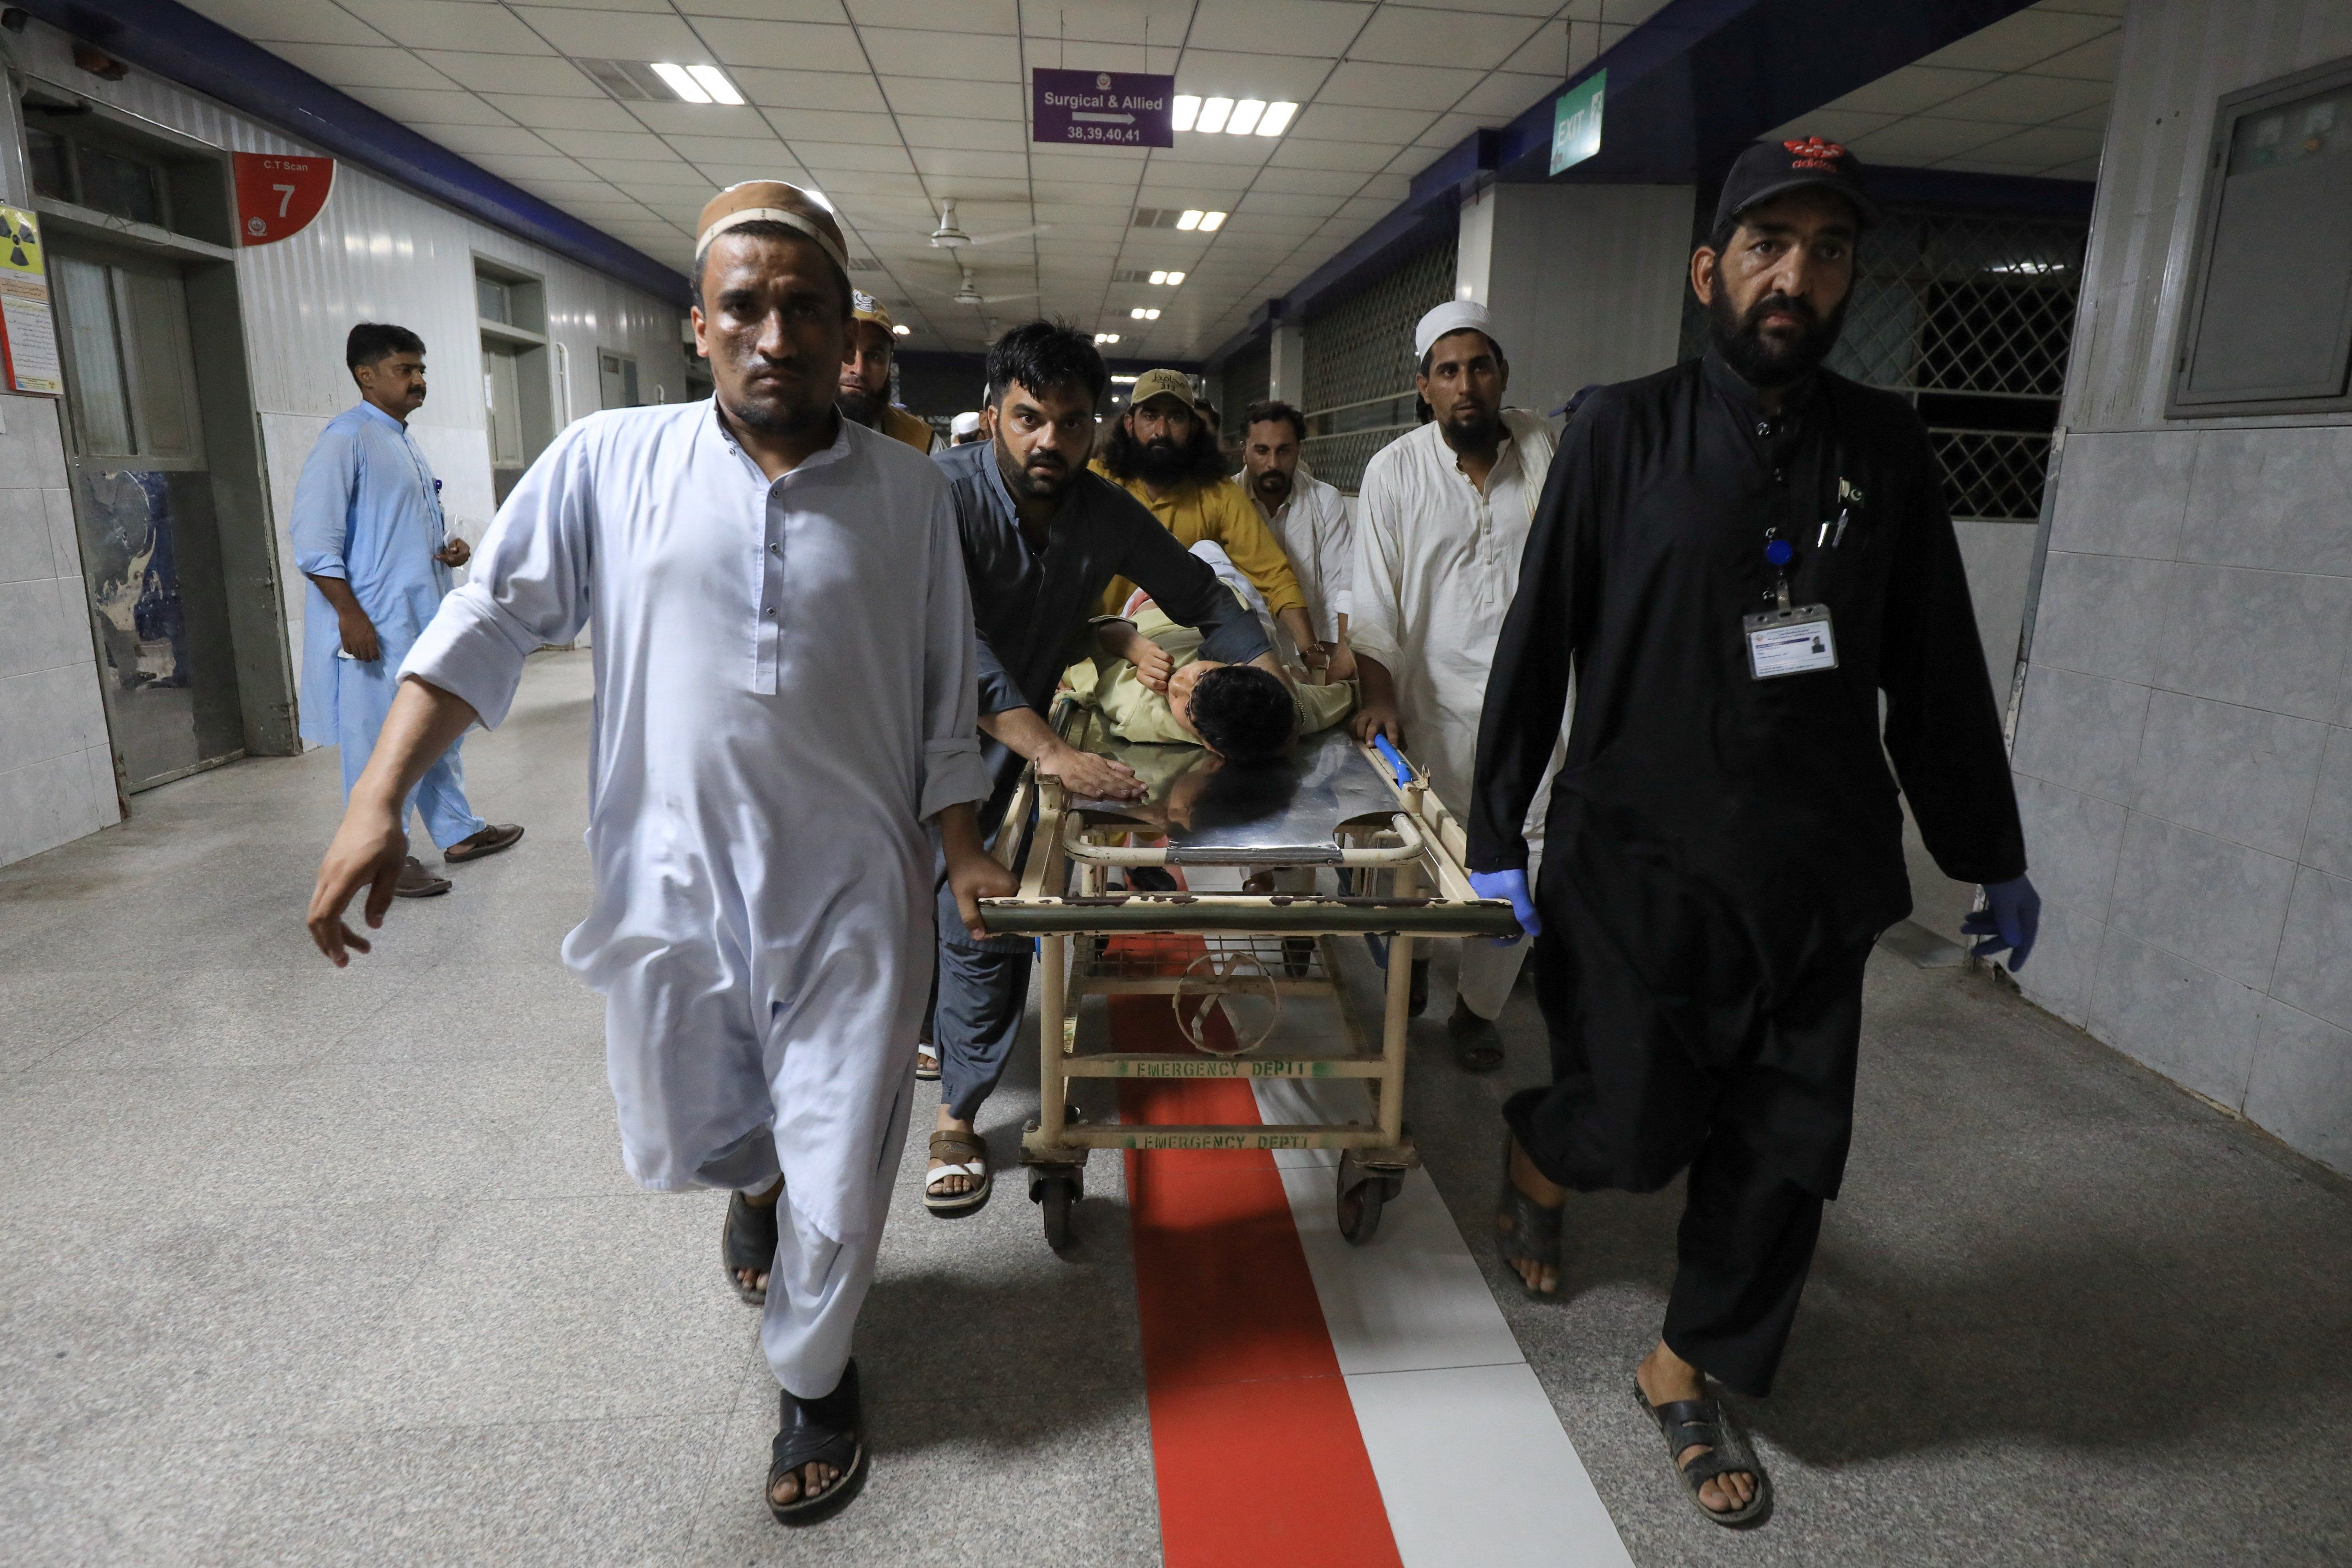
[(1792, 638)]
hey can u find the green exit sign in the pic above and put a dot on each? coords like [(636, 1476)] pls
[(1576, 122)]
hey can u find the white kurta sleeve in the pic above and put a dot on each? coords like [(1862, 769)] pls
[(1376, 584), (529, 585), (1339, 574), (953, 772)]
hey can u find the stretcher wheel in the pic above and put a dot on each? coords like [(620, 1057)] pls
[(1056, 1198), (1363, 1194)]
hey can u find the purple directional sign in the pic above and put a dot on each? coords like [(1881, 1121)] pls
[(1102, 108)]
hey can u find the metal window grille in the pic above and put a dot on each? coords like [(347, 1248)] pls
[(1243, 380), (1358, 374), (1971, 316)]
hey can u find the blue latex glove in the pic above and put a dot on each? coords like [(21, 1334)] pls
[(1513, 886), (2008, 922)]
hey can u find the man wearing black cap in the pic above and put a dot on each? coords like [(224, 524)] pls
[(1732, 561)]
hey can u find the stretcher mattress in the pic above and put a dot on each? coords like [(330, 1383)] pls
[(1283, 813)]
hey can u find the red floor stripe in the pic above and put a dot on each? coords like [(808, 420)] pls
[(1254, 1439)]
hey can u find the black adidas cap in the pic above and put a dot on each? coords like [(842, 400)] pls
[(1772, 169)]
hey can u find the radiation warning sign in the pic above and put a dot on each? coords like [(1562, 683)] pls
[(277, 195), (28, 331)]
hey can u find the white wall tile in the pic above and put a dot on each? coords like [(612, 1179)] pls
[(2273, 499), (2124, 493), (2266, 639), (2189, 1023), (2315, 960), (2080, 732), (2205, 899), (26, 550), (2327, 838), (2065, 958), (2301, 1088), (2072, 841), (2239, 773), (2104, 614)]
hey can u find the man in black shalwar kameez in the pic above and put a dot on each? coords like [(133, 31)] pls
[(1733, 560)]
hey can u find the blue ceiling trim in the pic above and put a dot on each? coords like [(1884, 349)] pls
[(175, 43), (1687, 89)]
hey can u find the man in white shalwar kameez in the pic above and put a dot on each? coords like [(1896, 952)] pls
[(771, 741), (1439, 522)]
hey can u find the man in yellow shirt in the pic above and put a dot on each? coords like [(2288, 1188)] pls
[(1163, 453), (864, 393)]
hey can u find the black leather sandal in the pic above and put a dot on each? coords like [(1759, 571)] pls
[(747, 1240), (1687, 1423), (1529, 1233), (827, 1431)]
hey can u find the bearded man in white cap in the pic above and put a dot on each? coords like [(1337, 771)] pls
[(1440, 521), (773, 753)]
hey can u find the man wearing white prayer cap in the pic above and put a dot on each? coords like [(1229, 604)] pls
[(778, 756), (964, 429), (1440, 521)]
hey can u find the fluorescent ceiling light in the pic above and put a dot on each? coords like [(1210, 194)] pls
[(1174, 278), (1102, 338), (1143, 314), (1190, 218), (1210, 221), (1277, 119), (1159, 277), (681, 82), (901, 328), (714, 82), (1187, 109), (1245, 117), (1213, 115), (1122, 380)]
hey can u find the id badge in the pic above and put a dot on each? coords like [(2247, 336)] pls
[(1793, 641)]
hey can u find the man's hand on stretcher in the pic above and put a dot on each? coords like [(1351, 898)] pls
[(973, 873), (1083, 773)]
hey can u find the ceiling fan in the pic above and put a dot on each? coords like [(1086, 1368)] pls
[(968, 292), (950, 234)]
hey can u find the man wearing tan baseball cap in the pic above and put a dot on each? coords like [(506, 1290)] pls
[(761, 923), (865, 394)]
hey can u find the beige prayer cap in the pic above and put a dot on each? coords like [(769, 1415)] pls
[(864, 307), (771, 201)]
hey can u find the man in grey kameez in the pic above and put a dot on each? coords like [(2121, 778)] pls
[(761, 927)]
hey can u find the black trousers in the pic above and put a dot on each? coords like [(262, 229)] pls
[(1754, 1101)]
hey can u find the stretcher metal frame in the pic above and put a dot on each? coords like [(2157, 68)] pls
[(1418, 853)]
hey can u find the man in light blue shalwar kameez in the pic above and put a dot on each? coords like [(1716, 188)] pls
[(369, 535)]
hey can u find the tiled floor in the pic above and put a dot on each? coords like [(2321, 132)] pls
[(313, 1268)]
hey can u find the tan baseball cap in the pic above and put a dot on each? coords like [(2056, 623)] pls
[(1154, 383), (864, 307), (771, 201)]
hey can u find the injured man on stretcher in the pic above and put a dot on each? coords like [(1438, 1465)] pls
[(1150, 683)]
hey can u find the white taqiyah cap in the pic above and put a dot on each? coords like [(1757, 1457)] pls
[(1453, 316), (965, 424)]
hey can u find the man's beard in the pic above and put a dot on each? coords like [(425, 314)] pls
[(776, 416), (1759, 361), (1027, 484), (857, 402), (1162, 462), (1472, 430), (1272, 486)]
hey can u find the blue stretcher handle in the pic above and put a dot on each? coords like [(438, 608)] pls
[(1395, 760)]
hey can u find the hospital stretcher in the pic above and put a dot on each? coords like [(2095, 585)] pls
[(1226, 959)]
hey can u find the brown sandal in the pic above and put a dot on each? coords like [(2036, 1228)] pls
[(489, 841), (963, 1155)]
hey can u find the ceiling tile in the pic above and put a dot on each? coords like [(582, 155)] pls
[(1397, 87), (351, 65), (1912, 89), (1389, 188), (835, 125), (1831, 124), (1368, 210), (2024, 99), (660, 7), (724, 175), (1045, 49), (598, 114), (2045, 144), (1215, 72), (900, 51), (972, 162), (819, 155), (471, 140), (1340, 183), (851, 90), (1552, 50), (725, 149), (845, 184), (2094, 61), (274, 22), (1278, 26), (548, 77), (2020, 39), (2092, 119), (2086, 170), (1348, 122), (1364, 157), (1502, 96), (701, 120), (990, 135), (428, 106), (627, 173), (1411, 35), (1226, 151), (615, 35), (1445, 131), (517, 166), (1921, 139), (445, 24), (936, 96), (961, 17), (1101, 165), (638, 145), (790, 45)]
